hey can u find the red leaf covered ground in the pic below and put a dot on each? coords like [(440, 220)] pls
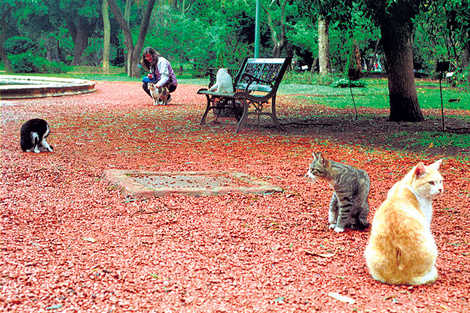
[(72, 243)]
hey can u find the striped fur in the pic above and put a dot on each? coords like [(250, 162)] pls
[(349, 206)]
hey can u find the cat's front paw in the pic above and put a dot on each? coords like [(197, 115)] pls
[(332, 226), (339, 229)]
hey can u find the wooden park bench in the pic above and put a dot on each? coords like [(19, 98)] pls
[(255, 85)]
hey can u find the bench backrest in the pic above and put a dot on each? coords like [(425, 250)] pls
[(270, 71), (212, 73)]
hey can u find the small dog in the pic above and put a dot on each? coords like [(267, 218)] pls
[(160, 96), (33, 136)]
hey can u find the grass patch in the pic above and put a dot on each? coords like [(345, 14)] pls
[(375, 95), (434, 139)]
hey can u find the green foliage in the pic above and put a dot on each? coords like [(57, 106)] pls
[(17, 45), (28, 63), (345, 82), (209, 33), (309, 78), (93, 54), (196, 41)]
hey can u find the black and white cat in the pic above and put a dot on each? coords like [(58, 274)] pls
[(33, 136)]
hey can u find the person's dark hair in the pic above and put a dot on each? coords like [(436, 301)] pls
[(146, 64)]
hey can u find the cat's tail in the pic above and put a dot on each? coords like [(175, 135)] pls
[(362, 218), (35, 142), (363, 224)]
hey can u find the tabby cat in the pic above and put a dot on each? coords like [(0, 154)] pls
[(349, 206), (401, 248)]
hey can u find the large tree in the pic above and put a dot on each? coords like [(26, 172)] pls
[(133, 52), (106, 36), (6, 10), (395, 19), (324, 60), (279, 39), (323, 12), (82, 20)]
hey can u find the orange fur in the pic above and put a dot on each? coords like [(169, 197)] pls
[(401, 248)]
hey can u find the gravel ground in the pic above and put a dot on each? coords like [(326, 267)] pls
[(72, 243)]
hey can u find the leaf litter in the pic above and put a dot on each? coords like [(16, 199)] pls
[(72, 243)]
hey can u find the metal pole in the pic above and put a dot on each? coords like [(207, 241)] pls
[(352, 96), (442, 104), (257, 28)]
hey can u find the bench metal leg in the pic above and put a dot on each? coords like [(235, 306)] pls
[(245, 113), (273, 113), (203, 119)]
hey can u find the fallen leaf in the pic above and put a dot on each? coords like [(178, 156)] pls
[(89, 239), (280, 299), (323, 255), (341, 298)]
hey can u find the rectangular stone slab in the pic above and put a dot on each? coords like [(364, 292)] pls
[(147, 184)]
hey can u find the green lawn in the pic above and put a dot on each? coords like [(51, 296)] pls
[(375, 95)]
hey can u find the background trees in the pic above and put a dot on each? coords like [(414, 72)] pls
[(395, 20)]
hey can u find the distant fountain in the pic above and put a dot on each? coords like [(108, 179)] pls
[(22, 87)]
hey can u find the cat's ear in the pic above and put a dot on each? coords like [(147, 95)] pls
[(314, 155), (436, 164), (323, 161), (420, 169)]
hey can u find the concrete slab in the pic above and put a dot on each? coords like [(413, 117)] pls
[(147, 184)]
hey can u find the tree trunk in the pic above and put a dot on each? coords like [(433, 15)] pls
[(397, 40), (324, 45), (466, 59), (133, 53), (127, 11), (313, 69), (106, 36), (80, 38), (81, 42), (280, 41), (3, 38)]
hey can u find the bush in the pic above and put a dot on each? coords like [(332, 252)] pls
[(308, 78), (18, 45), (344, 82), (27, 63)]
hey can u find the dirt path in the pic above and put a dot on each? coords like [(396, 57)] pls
[(72, 243)]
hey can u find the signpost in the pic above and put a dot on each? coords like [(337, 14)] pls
[(442, 67)]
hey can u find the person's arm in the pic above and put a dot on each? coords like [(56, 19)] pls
[(164, 72)]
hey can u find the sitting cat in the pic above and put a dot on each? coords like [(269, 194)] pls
[(160, 96), (224, 82), (33, 136), (349, 206), (401, 248)]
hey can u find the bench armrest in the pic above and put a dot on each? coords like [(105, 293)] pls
[(252, 79)]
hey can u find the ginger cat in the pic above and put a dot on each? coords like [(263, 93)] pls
[(401, 248)]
